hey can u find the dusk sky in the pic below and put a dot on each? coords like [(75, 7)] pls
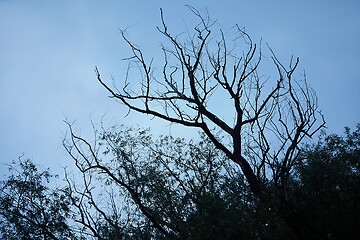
[(49, 49)]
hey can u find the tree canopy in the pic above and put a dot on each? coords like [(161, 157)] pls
[(145, 188), (247, 176), (29, 209)]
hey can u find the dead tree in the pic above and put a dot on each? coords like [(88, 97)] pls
[(271, 115)]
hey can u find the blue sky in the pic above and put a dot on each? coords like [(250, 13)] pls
[(48, 51)]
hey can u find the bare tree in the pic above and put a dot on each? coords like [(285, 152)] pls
[(271, 117)]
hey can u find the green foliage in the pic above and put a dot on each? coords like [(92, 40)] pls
[(326, 184), (189, 188), (28, 208)]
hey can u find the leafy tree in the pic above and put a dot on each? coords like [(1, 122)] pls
[(29, 209), (168, 188), (326, 184), (138, 187), (135, 187), (171, 188)]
